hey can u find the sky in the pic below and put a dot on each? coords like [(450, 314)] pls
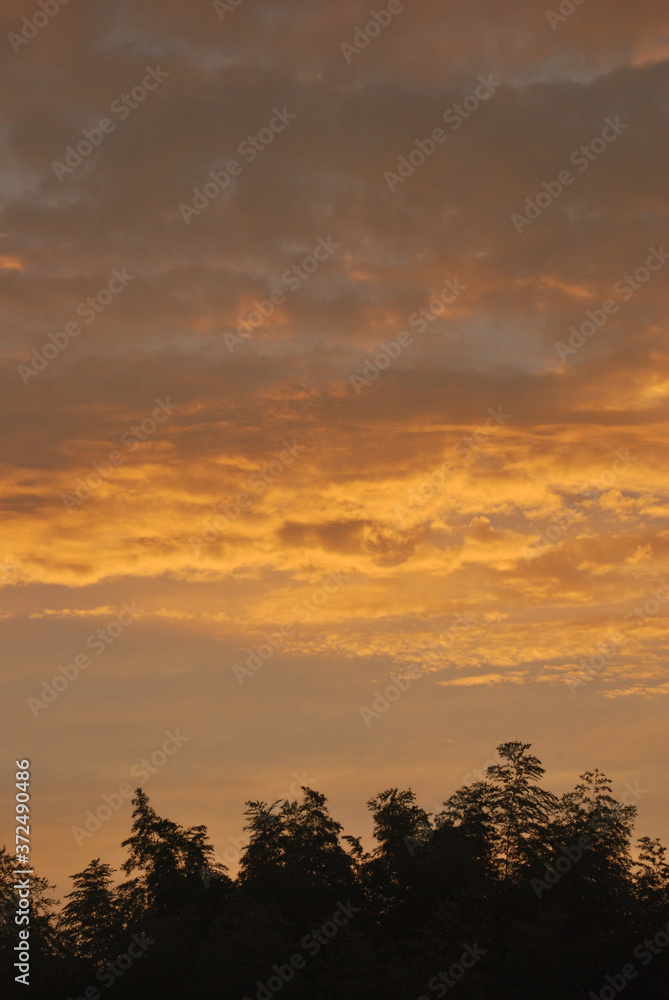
[(334, 366)]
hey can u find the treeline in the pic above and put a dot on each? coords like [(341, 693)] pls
[(509, 892)]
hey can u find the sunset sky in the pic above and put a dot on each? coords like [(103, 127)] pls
[(478, 515)]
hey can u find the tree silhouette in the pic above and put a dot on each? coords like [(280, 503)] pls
[(519, 808), (170, 859), (295, 857), (509, 892), (90, 922), (400, 828)]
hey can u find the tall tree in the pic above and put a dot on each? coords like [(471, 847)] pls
[(652, 876), (471, 812), (169, 858), (520, 809), (90, 921), (591, 811), (400, 827), (295, 853)]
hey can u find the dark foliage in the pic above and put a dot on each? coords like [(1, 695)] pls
[(509, 892)]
